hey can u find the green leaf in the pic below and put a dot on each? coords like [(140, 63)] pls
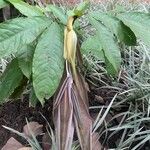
[(48, 62), (26, 9), (81, 8), (139, 23), (32, 99), (25, 57), (92, 44), (20, 31), (109, 46), (123, 32), (10, 80), (3, 4), (57, 12), (19, 90)]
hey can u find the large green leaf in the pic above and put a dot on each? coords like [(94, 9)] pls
[(123, 32), (26, 9), (57, 12), (139, 23), (20, 31), (109, 46), (3, 3), (10, 80), (48, 62), (25, 57), (92, 44)]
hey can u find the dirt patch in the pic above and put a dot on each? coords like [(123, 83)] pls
[(14, 114)]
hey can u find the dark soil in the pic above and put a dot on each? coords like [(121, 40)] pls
[(14, 114)]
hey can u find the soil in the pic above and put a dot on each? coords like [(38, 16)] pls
[(13, 114)]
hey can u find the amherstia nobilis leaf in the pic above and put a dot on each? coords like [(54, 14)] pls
[(139, 23), (57, 12), (81, 113), (116, 26), (111, 50), (71, 111), (12, 144), (48, 62), (63, 114), (25, 57), (71, 102), (20, 31), (26, 9), (92, 44), (3, 3), (10, 80)]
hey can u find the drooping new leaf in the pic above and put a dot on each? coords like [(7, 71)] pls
[(25, 57), (92, 44), (57, 12), (48, 62), (123, 32), (63, 114), (20, 31), (109, 46), (81, 8), (10, 80), (26, 9), (139, 23), (3, 4)]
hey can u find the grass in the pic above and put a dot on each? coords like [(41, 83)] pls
[(131, 107), (129, 123)]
